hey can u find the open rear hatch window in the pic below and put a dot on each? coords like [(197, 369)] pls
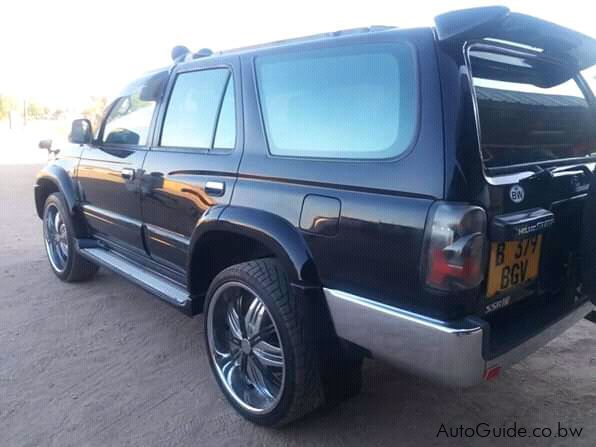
[(590, 77), (531, 109)]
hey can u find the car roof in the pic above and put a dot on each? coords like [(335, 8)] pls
[(328, 36), (155, 76), (452, 28)]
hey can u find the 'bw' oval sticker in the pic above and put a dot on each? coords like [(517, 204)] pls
[(517, 194)]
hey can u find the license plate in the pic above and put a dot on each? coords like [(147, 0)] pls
[(512, 264)]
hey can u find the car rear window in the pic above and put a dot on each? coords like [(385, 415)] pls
[(530, 110), (355, 102)]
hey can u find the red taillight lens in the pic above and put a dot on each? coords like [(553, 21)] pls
[(492, 373), (455, 247)]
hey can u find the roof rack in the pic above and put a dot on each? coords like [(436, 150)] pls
[(181, 53), (203, 52), (343, 32)]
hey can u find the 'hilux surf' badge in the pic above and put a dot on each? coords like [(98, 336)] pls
[(517, 194)]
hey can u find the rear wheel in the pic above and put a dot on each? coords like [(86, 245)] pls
[(58, 233), (261, 344)]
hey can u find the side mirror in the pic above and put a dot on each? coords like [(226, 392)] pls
[(46, 144), (81, 132)]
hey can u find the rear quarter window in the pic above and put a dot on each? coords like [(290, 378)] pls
[(354, 102)]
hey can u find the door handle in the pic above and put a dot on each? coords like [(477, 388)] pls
[(215, 189), (127, 173)]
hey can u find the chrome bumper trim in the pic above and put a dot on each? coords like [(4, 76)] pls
[(445, 352)]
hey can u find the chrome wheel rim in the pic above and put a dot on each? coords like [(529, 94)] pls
[(245, 347), (56, 238)]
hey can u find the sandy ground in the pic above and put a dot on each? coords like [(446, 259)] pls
[(105, 364)]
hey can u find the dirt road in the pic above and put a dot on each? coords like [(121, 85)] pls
[(105, 364)]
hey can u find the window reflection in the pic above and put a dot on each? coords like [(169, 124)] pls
[(347, 102), (129, 121)]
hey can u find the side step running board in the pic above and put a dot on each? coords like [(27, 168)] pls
[(153, 283)]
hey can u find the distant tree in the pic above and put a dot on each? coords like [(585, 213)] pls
[(7, 104), (36, 110), (94, 111)]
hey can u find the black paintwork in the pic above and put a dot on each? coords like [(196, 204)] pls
[(356, 226), (111, 203)]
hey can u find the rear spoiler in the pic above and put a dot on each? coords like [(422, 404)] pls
[(500, 24)]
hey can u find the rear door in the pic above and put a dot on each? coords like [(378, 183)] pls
[(537, 127), (193, 163), (109, 171)]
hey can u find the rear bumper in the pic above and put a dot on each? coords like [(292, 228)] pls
[(445, 352)]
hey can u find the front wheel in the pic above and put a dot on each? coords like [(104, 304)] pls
[(58, 233), (261, 348)]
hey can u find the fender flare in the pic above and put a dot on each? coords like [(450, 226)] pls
[(62, 181), (272, 231)]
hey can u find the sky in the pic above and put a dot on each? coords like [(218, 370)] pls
[(58, 51)]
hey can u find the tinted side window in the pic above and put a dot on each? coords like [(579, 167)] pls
[(129, 121), (350, 102), (193, 109)]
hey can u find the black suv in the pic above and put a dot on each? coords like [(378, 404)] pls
[(423, 196)]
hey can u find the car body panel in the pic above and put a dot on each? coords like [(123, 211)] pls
[(383, 207), (60, 171), (110, 202), (175, 192)]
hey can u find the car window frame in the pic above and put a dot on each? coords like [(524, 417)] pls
[(218, 120), (417, 112), (166, 101), (589, 85), (99, 140)]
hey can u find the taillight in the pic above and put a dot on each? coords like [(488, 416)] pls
[(455, 247)]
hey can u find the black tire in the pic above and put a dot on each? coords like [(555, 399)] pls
[(302, 390), (74, 268)]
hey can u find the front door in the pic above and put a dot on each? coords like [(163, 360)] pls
[(193, 162), (109, 172)]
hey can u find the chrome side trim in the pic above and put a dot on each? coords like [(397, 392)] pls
[(110, 217), (449, 354), (172, 238)]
